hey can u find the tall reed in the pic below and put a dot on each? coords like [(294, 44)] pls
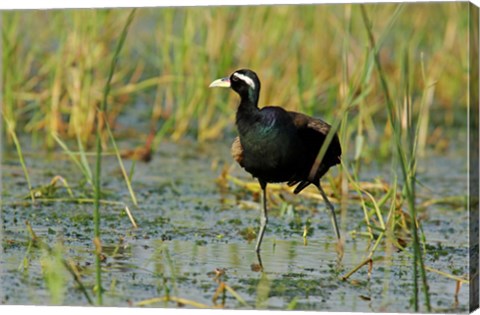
[(407, 158), (101, 119), (7, 99)]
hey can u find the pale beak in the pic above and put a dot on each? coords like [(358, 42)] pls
[(223, 82)]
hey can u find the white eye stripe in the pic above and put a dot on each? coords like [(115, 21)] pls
[(245, 79)]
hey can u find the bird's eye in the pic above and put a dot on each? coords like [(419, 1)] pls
[(234, 78)]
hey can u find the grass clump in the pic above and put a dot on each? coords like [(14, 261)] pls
[(54, 80)]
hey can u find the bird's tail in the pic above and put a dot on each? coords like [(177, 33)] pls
[(302, 184)]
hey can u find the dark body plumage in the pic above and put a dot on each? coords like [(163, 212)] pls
[(275, 145), (280, 146)]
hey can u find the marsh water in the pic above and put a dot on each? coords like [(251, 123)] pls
[(192, 234)]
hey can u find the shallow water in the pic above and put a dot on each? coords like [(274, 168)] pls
[(189, 227)]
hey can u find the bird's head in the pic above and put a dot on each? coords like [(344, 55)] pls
[(245, 82)]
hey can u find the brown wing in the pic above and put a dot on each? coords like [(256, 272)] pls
[(314, 130), (237, 150), (303, 121), (319, 129)]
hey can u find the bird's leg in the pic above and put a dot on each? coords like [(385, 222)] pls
[(263, 215), (259, 257), (332, 209)]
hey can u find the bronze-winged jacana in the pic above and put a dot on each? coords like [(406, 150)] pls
[(275, 145)]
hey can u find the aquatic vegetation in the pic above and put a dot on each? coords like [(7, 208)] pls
[(139, 202)]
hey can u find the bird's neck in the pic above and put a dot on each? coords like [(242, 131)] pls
[(250, 98), (253, 122), (248, 109)]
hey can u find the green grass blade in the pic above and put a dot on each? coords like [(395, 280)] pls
[(11, 131), (122, 166), (82, 164)]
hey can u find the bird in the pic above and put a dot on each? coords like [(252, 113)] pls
[(275, 145)]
